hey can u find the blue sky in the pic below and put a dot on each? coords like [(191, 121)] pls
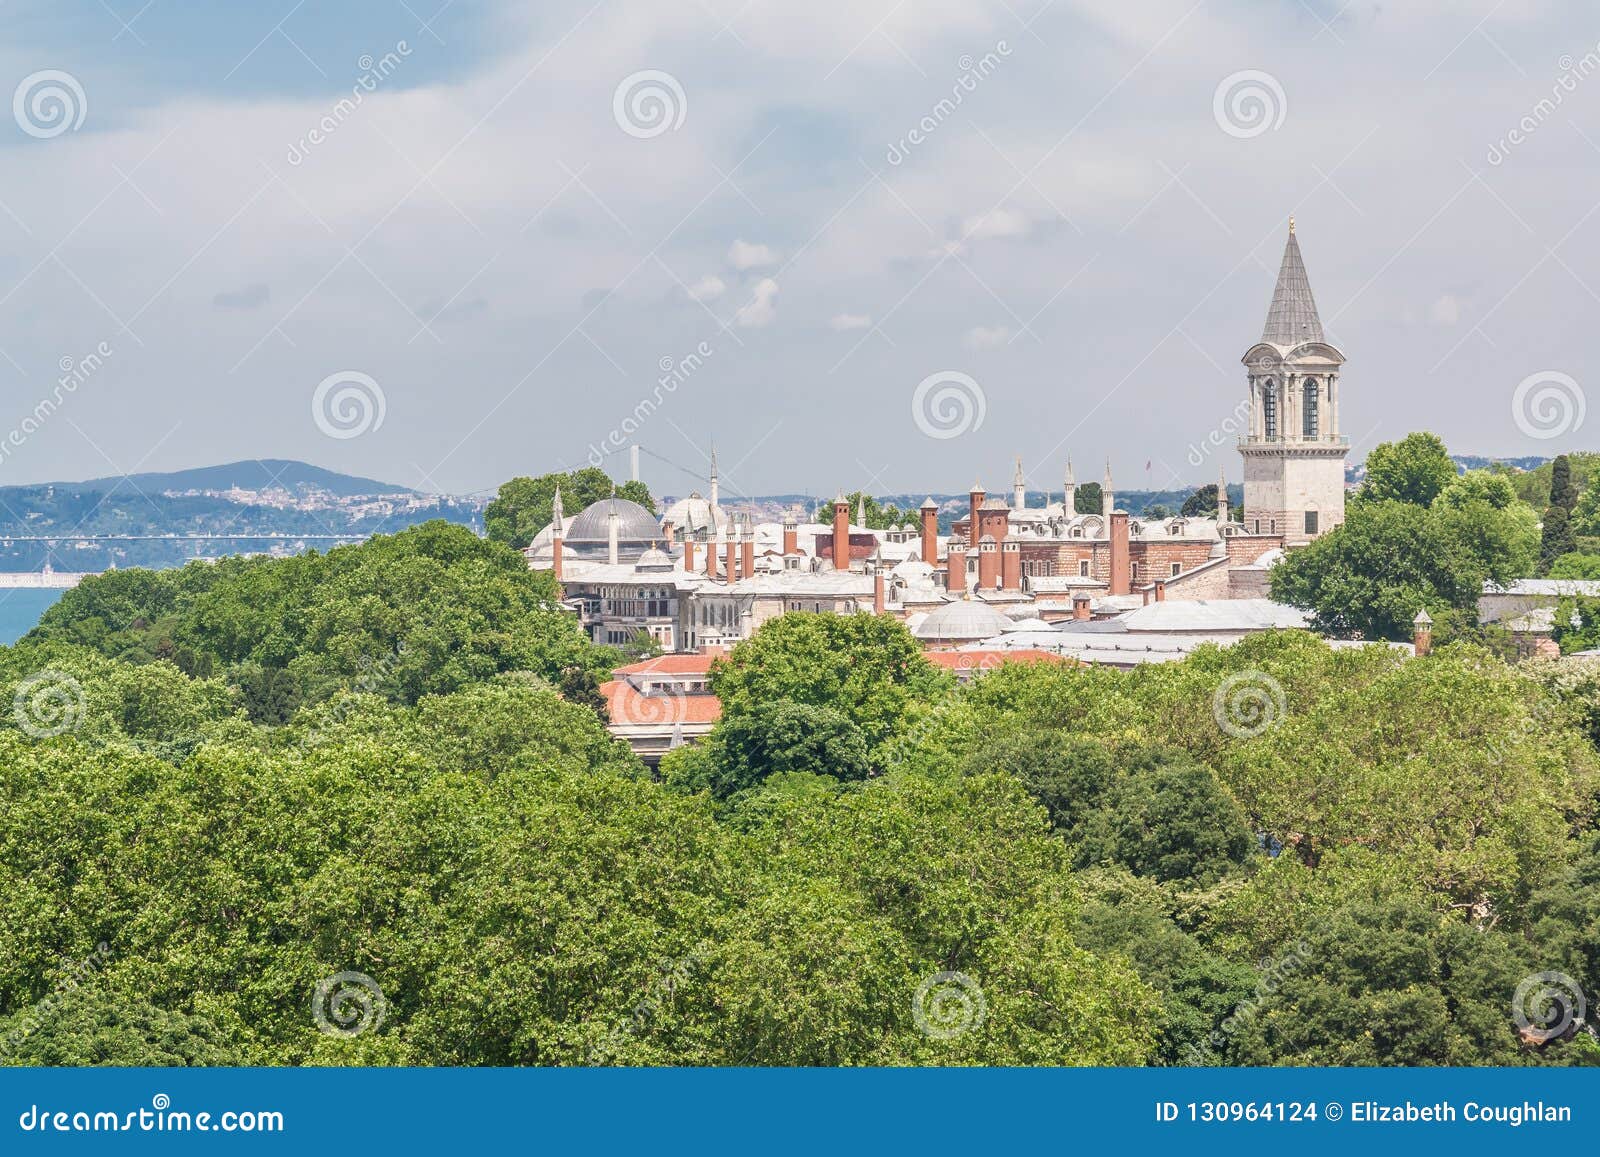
[(494, 247)]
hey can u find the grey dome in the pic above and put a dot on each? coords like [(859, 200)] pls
[(962, 621), (654, 559), (634, 523)]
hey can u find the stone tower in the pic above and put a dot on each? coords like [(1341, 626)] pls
[(1294, 452)]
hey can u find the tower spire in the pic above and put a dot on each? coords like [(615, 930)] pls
[(1108, 501), (713, 484), (1019, 487), (1292, 317)]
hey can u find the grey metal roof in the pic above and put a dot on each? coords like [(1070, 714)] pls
[(634, 522), (962, 620), (1292, 317)]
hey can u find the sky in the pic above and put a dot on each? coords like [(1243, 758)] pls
[(849, 244)]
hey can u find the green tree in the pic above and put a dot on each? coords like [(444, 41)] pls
[(1369, 576), (776, 738), (1575, 566), (867, 668), (91, 1027), (1201, 503), (1556, 537), (1414, 469), (524, 506), (1086, 498), (878, 517)]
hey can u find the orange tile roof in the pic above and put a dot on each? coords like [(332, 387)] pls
[(697, 664), (987, 660), (627, 707)]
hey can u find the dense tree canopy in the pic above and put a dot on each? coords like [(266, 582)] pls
[(216, 815), (1414, 469)]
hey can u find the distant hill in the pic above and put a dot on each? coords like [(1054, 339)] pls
[(254, 474)]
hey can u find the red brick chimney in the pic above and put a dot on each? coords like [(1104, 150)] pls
[(1080, 607), (930, 531), (1422, 632), (956, 567), (1118, 531), (841, 533), (669, 530), (1161, 591), (747, 558), (713, 566), (1011, 565), (988, 564), (688, 553), (976, 497), (791, 536), (877, 591), (733, 557)]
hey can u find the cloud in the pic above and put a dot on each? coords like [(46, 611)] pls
[(762, 307), (250, 297), (984, 337), (848, 321), (1446, 310), (998, 223), (708, 288), (462, 309), (744, 255)]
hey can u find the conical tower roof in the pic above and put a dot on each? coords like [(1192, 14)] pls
[(1292, 317)]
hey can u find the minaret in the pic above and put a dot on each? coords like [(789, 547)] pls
[(1108, 500), (1019, 488), (613, 520), (1294, 453), (557, 533), (1070, 497), (861, 510), (1222, 496), (714, 487)]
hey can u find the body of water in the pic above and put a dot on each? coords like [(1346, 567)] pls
[(20, 609)]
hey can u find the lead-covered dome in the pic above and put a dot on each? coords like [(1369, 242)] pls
[(593, 523), (963, 621)]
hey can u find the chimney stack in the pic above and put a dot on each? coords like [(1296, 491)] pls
[(841, 532), (1422, 632), (668, 529), (791, 536), (988, 564), (1120, 579), (1080, 607), (930, 531), (1161, 590), (733, 554), (688, 553), (748, 560), (1011, 565), (975, 496), (877, 590), (956, 567), (713, 549)]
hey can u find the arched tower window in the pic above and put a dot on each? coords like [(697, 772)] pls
[(1269, 409), (1312, 396)]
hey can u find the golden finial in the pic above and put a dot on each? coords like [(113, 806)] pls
[(1291, 224)]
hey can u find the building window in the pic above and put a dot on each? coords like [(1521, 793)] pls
[(1083, 568), (1258, 527), (1177, 569), (1269, 409), (1311, 522), (1133, 572), (1309, 426)]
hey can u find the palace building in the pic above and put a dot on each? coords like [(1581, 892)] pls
[(703, 577)]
